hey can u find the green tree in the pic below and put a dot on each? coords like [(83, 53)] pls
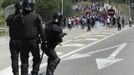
[(46, 8), (8, 2), (68, 7)]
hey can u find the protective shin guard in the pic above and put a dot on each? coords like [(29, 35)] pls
[(52, 64)]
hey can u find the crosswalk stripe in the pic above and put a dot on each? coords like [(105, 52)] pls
[(75, 45), (94, 35), (86, 39), (102, 33)]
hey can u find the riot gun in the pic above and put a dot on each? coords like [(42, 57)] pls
[(63, 34)]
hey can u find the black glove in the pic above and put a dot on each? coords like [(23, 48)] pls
[(44, 46), (63, 34)]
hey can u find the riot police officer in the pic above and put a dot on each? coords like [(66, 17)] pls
[(130, 22), (88, 24), (118, 23), (14, 38), (30, 29), (53, 34)]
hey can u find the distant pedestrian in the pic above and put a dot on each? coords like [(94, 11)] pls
[(113, 21), (118, 23), (88, 24), (130, 22), (108, 21), (123, 22), (69, 23)]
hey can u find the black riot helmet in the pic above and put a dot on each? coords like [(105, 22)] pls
[(18, 7), (28, 5), (57, 17)]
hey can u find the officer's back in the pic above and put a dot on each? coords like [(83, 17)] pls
[(13, 28), (53, 31), (29, 27)]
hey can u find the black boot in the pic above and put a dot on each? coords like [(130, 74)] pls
[(35, 69), (52, 64), (24, 69), (16, 73), (34, 73), (15, 67)]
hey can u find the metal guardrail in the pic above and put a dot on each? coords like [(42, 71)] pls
[(2, 29)]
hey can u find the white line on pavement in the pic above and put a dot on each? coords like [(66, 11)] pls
[(86, 39), (94, 35), (74, 45)]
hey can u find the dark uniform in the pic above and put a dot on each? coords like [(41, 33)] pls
[(30, 29), (118, 23), (130, 22), (53, 34), (123, 22), (14, 39), (88, 24)]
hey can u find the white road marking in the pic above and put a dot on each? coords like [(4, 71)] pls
[(70, 53), (105, 62), (77, 55), (80, 36), (74, 45), (107, 30), (102, 33), (94, 35), (73, 38), (86, 39)]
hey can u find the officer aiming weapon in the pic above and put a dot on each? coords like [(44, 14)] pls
[(62, 35)]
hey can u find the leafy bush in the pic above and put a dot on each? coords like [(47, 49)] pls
[(2, 21)]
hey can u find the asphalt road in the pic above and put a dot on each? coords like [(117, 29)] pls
[(102, 52), (99, 52)]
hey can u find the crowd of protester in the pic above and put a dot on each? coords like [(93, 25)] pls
[(93, 16)]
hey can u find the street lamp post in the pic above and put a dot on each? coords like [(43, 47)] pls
[(62, 8), (117, 6), (129, 3)]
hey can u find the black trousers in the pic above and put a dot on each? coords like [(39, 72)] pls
[(50, 52), (88, 27), (119, 27), (53, 59), (14, 50), (26, 47)]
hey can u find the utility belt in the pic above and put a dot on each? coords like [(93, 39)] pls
[(11, 38), (31, 38)]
